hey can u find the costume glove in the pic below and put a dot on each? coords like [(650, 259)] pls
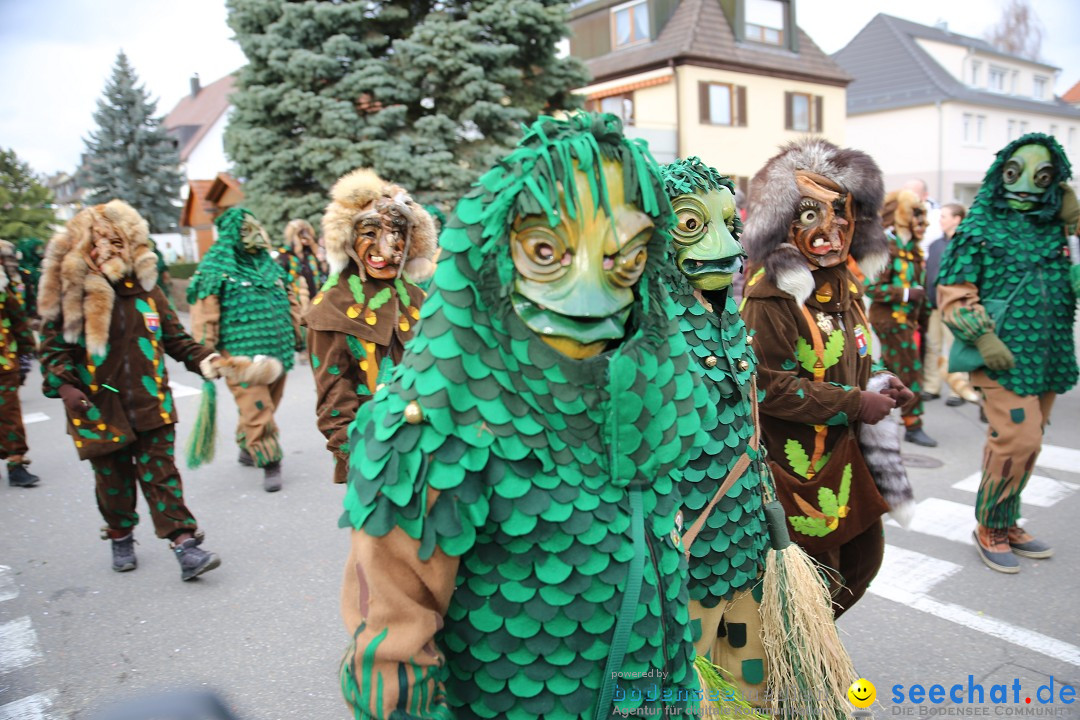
[(874, 407), (210, 366), (994, 352), (74, 399)]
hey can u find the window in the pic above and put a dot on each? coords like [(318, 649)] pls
[(1053, 130), (976, 69), (996, 81), (722, 104), (629, 24), (621, 105), (1039, 91), (969, 127), (1015, 81), (980, 123), (1023, 127), (1011, 130), (1071, 145), (803, 112), (765, 21)]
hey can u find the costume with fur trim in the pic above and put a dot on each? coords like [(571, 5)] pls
[(16, 340), (495, 481), (1018, 257), (357, 326), (113, 351), (894, 314), (298, 259), (812, 339)]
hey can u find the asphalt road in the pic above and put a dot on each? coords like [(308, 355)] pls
[(263, 630)]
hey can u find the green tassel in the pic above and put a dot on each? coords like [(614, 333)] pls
[(720, 693), (200, 449)]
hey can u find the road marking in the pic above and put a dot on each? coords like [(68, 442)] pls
[(35, 707), (179, 390), (942, 518), (1055, 457), (34, 417), (1040, 491), (18, 645), (906, 576), (8, 589)]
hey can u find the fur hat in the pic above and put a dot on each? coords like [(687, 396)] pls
[(774, 197), (899, 209), (362, 192), (73, 283), (292, 235)]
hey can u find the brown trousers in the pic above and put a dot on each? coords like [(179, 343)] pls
[(900, 355), (149, 461), (1013, 441), (256, 430), (12, 432), (857, 561)]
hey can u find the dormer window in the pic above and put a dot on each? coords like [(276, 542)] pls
[(996, 80), (629, 24), (765, 21), (976, 67), (1039, 92)]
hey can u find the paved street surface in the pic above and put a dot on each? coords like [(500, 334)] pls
[(263, 629)]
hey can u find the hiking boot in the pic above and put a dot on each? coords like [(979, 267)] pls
[(919, 437), (193, 560), (928, 396), (954, 401), (123, 553), (272, 477), (993, 547), (1024, 545), (19, 476), (245, 458)]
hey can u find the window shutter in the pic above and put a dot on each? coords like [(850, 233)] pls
[(703, 102), (789, 121), (819, 121), (740, 118)]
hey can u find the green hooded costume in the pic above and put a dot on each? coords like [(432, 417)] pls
[(515, 539)]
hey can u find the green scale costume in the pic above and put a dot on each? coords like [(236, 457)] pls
[(535, 502), (255, 315), (728, 555)]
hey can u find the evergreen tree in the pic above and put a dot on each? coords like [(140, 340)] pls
[(131, 156), (425, 92), (25, 204)]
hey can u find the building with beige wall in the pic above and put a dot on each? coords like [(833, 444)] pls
[(935, 105), (726, 80)]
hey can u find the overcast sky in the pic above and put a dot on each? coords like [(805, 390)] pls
[(55, 55)]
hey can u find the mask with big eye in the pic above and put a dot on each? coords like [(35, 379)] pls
[(380, 244), (823, 224), (575, 280), (253, 237), (704, 244), (1026, 176)]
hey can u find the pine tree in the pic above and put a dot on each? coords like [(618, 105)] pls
[(25, 204), (425, 92), (131, 156)]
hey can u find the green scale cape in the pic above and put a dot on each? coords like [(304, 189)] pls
[(534, 455), (728, 554), (255, 314), (994, 248)]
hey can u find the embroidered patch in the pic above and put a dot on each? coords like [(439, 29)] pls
[(153, 321), (1017, 415), (861, 342)]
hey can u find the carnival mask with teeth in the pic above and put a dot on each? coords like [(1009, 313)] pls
[(823, 227), (706, 250), (380, 242)]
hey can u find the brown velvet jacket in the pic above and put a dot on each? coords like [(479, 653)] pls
[(15, 336), (348, 339)]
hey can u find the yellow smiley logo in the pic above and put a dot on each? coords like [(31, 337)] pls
[(862, 693)]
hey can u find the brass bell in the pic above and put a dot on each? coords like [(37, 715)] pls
[(710, 361), (414, 415), (749, 339), (743, 366)]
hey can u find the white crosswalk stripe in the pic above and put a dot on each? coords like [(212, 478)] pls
[(1039, 491), (18, 645), (34, 417), (180, 390), (942, 518), (1055, 457), (35, 707)]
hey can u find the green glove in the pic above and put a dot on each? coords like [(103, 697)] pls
[(1074, 278), (994, 352)]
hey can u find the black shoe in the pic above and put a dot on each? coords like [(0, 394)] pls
[(245, 458), (954, 401), (925, 396), (19, 476), (193, 560), (919, 437), (123, 553), (272, 477)]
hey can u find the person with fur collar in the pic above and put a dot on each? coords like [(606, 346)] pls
[(242, 305), (898, 303), (299, 259), (106, 330), (16, 345), (814, 209), (379, 241)]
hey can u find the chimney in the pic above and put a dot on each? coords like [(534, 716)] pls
[(195, 85)]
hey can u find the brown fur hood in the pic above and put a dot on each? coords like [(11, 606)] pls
[(774, 198), (362, 192), (9, 265), (292, 236), (81, 289)]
